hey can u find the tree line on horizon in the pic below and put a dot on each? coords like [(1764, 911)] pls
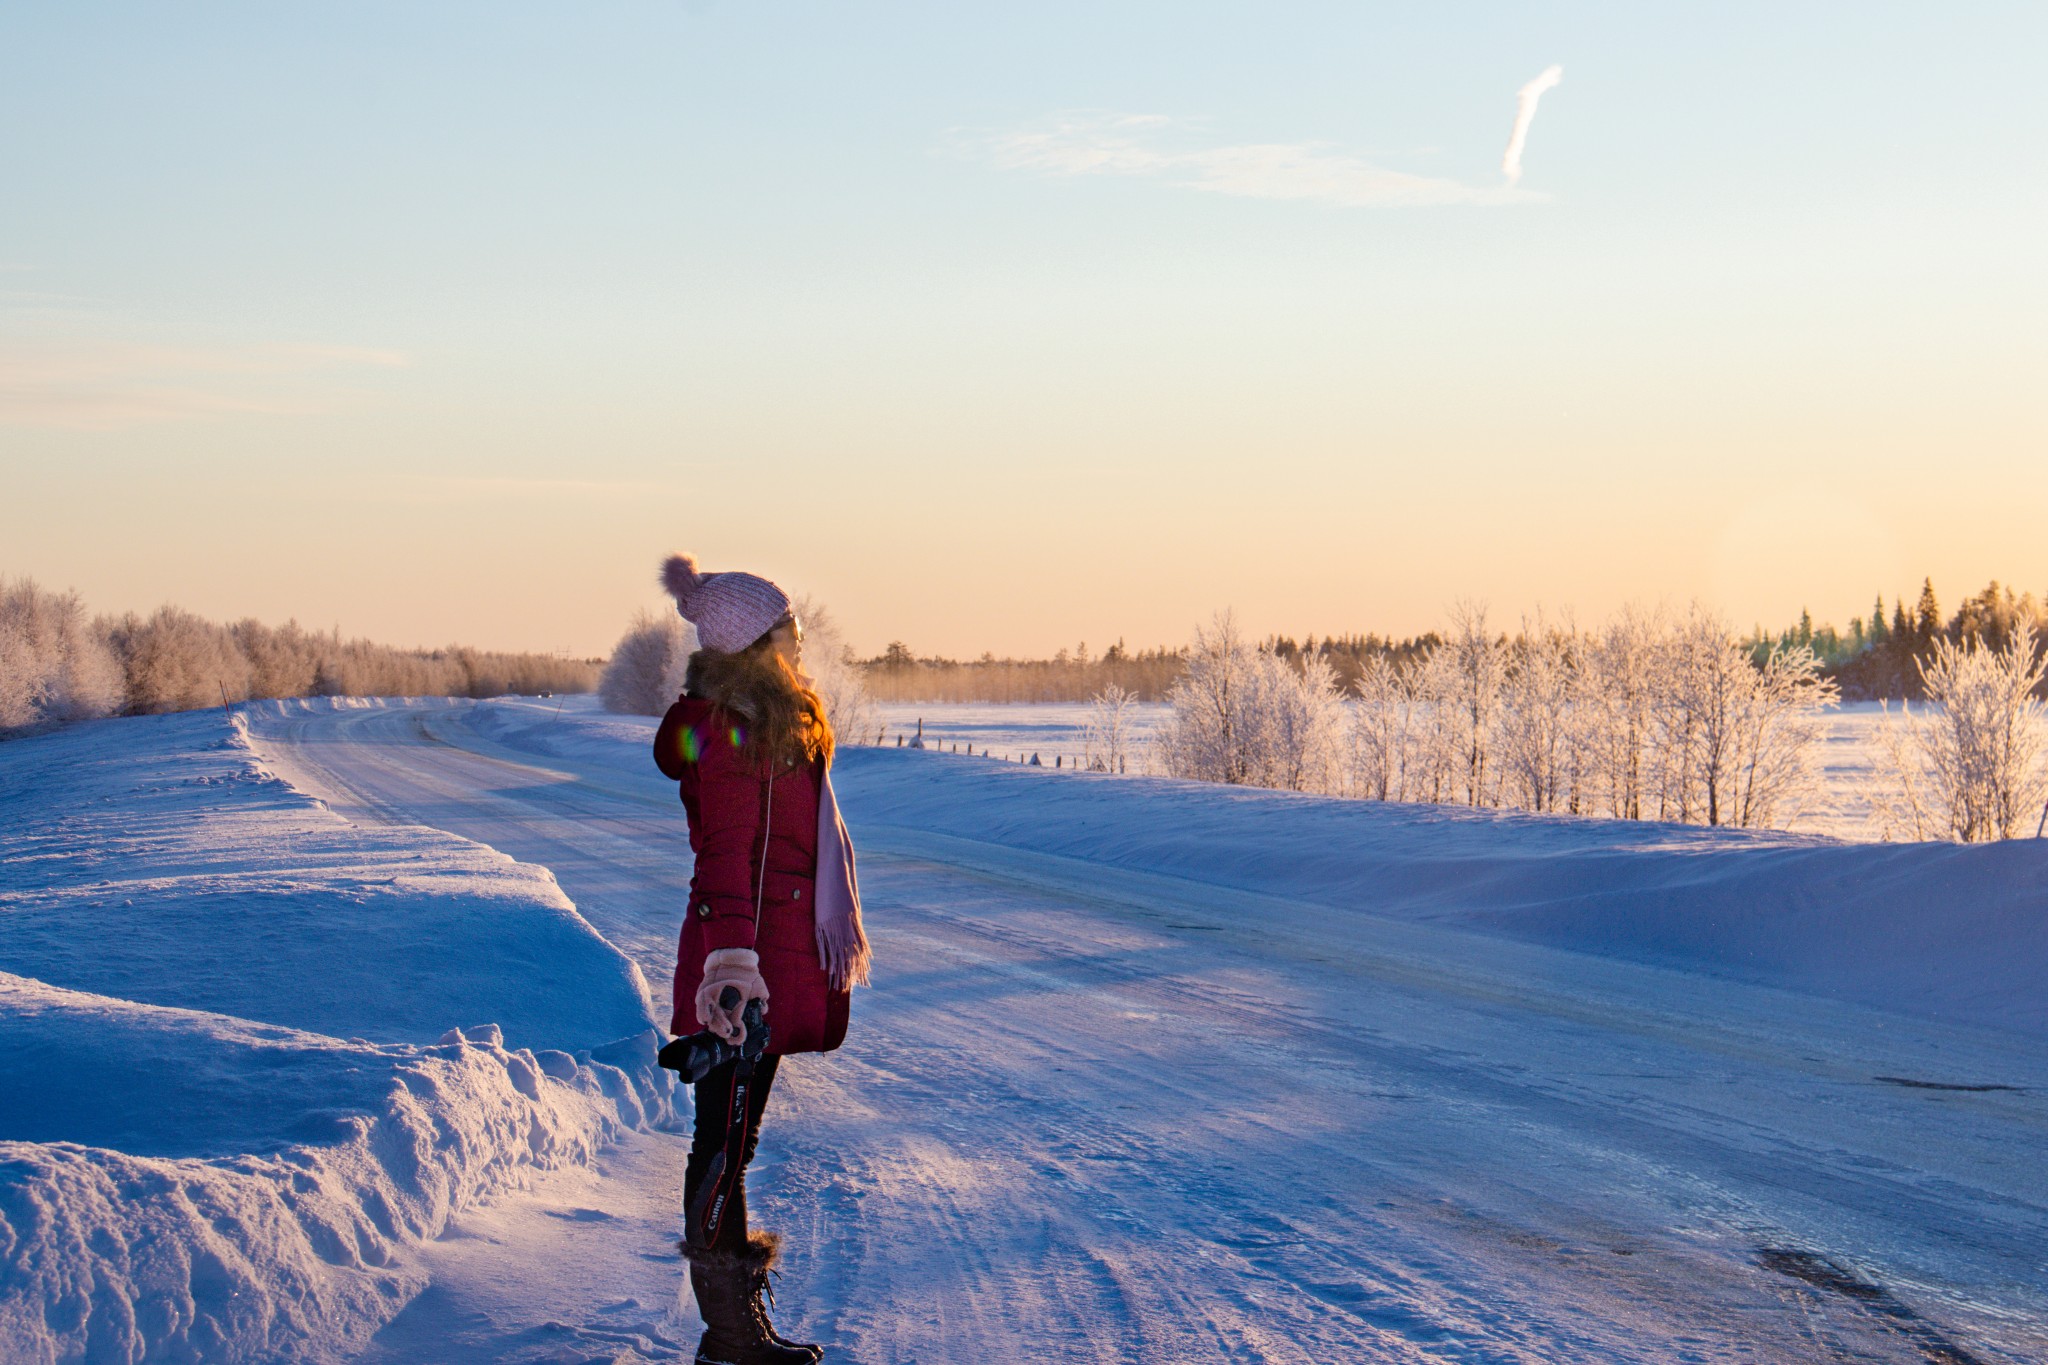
[(1878, 658), (58, 664)]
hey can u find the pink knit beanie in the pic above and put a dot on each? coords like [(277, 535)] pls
[(729, 610)]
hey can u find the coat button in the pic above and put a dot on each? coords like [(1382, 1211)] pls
[(797, 894), (704, 911)]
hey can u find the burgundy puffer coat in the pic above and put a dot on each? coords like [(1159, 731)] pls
[(756, 845)]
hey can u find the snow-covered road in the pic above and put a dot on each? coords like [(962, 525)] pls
[(1096, 1113)]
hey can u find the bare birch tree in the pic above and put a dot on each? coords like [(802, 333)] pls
[(1620, 678), (1539, 702), (1380, 739), (1478, 664), (1776, 774)]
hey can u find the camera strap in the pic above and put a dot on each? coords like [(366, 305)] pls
[(726, 1169)]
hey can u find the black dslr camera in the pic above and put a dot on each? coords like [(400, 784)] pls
[(696, 1056)]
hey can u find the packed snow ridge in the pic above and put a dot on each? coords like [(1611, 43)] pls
[(250, 1053)]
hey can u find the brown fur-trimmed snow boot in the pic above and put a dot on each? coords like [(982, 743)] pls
[(733, 1295)]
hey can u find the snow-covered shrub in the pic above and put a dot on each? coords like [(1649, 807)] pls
[(1973, 764), (646, 670), (1107, 741), (54, 664)]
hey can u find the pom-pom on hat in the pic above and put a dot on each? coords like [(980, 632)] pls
[(729, 610)]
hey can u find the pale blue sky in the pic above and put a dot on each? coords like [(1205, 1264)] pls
[(446, 321)]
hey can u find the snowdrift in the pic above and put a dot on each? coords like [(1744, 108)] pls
[(231, 1087)]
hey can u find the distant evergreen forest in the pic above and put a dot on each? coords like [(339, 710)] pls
[(1879, 658), (1875, 658)]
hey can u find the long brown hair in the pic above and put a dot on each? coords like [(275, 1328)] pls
[(782, 718)]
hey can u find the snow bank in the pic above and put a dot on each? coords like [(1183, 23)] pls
[(230, 1096)]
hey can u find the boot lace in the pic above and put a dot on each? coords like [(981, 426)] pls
[(761, 1299)]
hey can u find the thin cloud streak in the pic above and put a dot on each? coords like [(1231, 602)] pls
[(1525, 114), (106, 386), (1131, 145)]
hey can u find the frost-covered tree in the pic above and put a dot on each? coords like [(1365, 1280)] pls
[(175, 661), (54, 664), (1211, 724), (1477, 660), (1776, 771), (1734, 738), (1539, 741), (1380, 731), (1437, 750), (1973, 765), (1301, 721), (1698, 700), (284, 662), (1619, 679)]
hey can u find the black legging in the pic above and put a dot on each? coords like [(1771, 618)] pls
[(715, 1180)]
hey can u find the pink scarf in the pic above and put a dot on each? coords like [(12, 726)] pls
[(842, 941)]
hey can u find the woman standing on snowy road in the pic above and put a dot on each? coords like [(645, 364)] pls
[(774, 912)]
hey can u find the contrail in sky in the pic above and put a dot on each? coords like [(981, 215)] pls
[(1525, 114)]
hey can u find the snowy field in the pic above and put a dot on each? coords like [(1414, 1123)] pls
[(1152, 1071), (1058, 730)]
